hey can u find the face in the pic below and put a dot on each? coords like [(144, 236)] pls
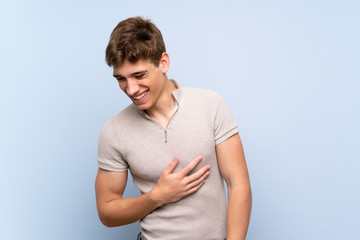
[(143, 82)]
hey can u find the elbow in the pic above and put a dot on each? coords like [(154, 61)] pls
[(108, 222), (105, 222), (109, 219), (106, 219), (248, 194), (241, 193)]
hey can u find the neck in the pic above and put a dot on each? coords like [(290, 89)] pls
[(163, 110)]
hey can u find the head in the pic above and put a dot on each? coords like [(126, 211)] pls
[(134, 39), (137, 53)]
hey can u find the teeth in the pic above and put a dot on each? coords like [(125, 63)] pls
[(140, 96)]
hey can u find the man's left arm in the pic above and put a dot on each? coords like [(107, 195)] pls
[(232, 165)]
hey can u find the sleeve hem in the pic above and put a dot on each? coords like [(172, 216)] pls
[(111, 168), (233, 131)]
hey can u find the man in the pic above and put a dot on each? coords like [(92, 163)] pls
[(179, 145)]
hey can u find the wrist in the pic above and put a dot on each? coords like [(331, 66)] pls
[(155, 196)]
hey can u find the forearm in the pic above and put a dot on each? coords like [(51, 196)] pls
[(124, 211), (171, 187), (238, 213)]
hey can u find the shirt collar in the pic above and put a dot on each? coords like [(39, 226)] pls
[(176, 93)]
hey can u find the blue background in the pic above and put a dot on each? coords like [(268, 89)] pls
[(288, 70)]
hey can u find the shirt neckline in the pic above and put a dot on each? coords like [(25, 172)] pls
[(177, 96)]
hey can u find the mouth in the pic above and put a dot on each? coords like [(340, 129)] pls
[(140, 97)]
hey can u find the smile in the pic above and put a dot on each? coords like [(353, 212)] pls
[(141, 96)]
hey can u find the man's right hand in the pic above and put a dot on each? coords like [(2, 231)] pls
[(114, 210), (172, 187)]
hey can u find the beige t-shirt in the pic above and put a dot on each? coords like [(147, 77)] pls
[(131, 140)]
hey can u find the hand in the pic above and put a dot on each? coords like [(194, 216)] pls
[(172, 187)]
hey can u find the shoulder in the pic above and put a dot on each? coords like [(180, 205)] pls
[(198, 91), (126, 116), (200, 94), (129, 114)]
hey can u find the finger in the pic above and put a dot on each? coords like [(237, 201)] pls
[(198, 181), (188, 168), (170, 168), (194, 189), (198, 174)]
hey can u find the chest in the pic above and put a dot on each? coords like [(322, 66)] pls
[(149, 150)]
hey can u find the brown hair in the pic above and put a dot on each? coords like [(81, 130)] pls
[(134, 39)]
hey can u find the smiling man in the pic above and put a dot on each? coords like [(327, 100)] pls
[(179, 144)]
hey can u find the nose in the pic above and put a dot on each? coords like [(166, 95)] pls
[(132, 87)]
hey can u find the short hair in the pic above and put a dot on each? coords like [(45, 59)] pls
[(134, 39)]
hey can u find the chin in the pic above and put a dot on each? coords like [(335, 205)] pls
[(142, 107)]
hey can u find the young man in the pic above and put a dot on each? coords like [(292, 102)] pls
[(179, 145)]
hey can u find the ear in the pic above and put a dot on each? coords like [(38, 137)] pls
[(164, 62)]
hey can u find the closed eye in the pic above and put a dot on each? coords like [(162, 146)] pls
[(140, 76), (120, 79)]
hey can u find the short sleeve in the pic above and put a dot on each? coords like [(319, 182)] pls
[(224, 123), (109, 154)]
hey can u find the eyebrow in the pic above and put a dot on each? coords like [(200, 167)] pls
[(133, 74)]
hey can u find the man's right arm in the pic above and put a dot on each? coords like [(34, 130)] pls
[(114, 210)]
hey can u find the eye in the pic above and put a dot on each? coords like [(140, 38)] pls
[(120, 79), (140, 76)]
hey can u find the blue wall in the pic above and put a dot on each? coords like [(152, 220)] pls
[(289, 71)]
